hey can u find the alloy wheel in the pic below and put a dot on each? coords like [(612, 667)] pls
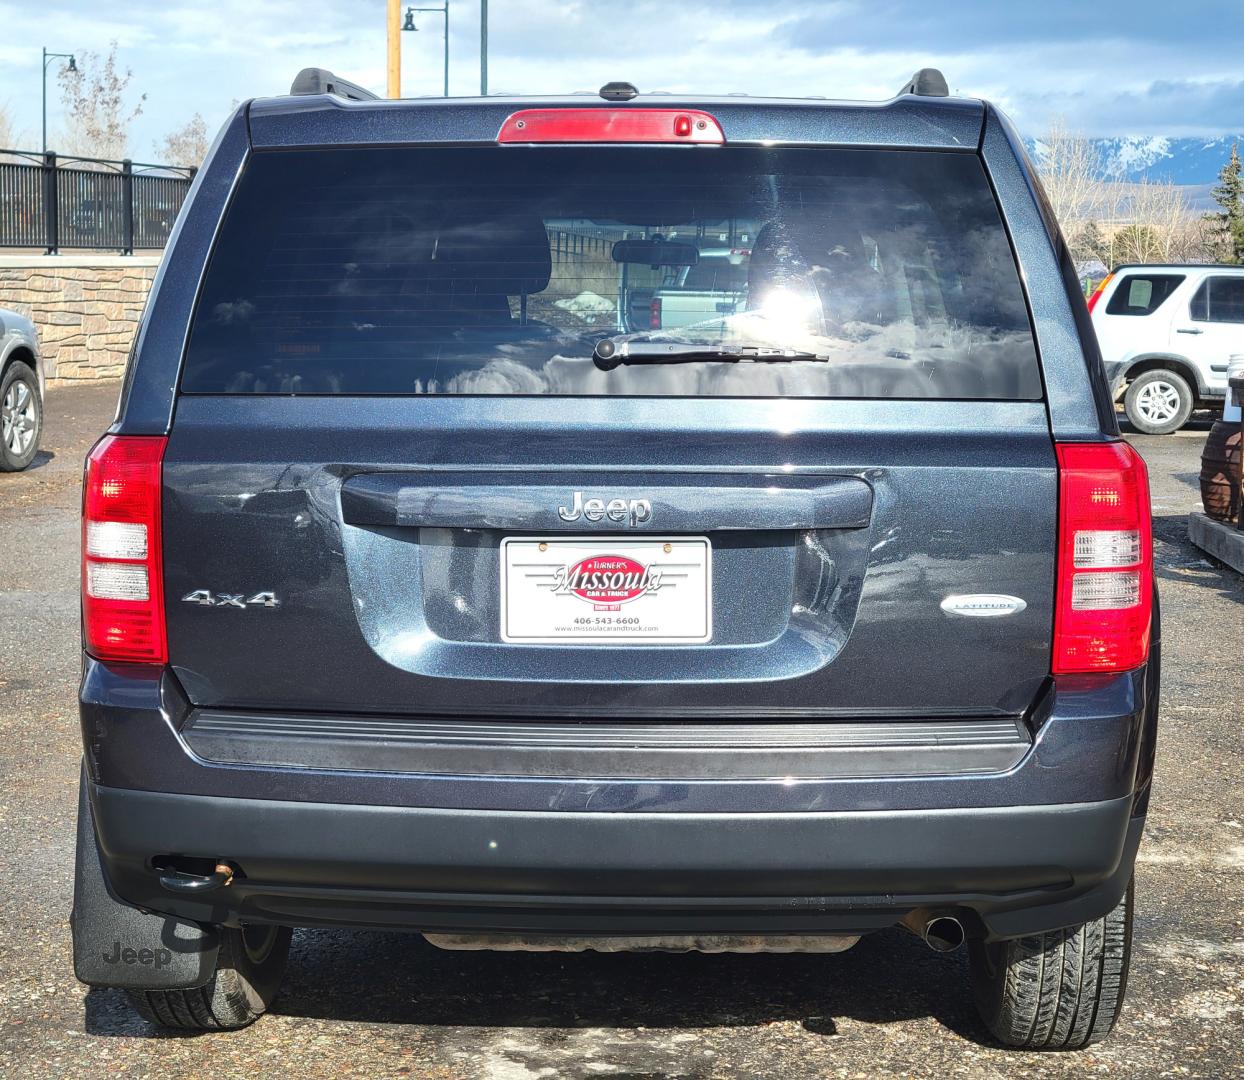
[(18, 419), (1158, 402)]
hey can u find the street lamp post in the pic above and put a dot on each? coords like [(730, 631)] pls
[(483, 48), (409, 24), (48, 57)]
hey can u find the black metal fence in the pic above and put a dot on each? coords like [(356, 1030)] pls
[(53, 202)]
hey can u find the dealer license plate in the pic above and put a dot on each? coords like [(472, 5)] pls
[(588, 590)]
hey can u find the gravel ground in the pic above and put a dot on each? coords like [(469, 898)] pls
[(381, 1005)]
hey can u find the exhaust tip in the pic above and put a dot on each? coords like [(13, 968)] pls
[(943, 934)]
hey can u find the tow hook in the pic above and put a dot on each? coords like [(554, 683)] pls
[(179, 881)]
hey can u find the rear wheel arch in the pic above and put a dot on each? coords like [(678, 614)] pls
[(1060, 990), (1178, 364)]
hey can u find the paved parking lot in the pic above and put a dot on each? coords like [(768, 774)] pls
[(380, 1005)]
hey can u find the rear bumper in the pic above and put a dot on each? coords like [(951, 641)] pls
[(1004, 871), (1047, 842)]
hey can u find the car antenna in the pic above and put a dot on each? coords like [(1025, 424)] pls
[(323, 81), (618, 91), (927, 82)]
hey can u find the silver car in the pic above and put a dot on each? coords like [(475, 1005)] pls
[(21, 392)]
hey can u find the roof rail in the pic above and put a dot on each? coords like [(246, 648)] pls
[(927, 82), (323, 81)]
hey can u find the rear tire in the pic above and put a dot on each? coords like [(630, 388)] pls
[(1158, 402), (1057, 991), (248, 975)]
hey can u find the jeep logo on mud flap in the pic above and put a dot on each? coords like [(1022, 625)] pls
[(156, 958), (629, 512)]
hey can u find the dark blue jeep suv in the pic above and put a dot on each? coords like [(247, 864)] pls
[(425, 585)]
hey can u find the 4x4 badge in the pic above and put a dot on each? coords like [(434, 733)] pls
[(205, 598)]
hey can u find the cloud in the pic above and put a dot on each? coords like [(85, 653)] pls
[(1171, 107), (968, 24), (1111, 67)]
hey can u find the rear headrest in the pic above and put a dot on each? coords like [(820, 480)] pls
[(507, 256)]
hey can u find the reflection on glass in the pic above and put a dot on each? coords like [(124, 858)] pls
[(497, 270)]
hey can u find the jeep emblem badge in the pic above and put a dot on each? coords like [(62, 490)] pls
[(983, 605), (629, 512)]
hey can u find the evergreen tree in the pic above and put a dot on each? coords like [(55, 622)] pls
[(1229, 224)]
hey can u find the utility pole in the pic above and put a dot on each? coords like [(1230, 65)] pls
[(483, 48), (394, 42)]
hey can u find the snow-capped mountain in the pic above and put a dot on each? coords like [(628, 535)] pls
[(1185, 161), (1194, 161)]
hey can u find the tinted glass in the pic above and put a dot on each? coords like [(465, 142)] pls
[(490, 270), (717, 273), (1142, 294), (1219, 299)]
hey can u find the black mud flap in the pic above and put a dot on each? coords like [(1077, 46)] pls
[(115, 944)]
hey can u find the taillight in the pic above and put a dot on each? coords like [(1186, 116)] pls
[(122, 572), (1092, 300), (654, 314), (1105, 559)]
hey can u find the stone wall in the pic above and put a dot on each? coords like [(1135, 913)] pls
[(86, 308)]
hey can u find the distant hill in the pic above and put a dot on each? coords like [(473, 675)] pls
[(1190, 162), (1182, 161)]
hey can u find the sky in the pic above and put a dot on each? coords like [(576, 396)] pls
[(1106, 67)]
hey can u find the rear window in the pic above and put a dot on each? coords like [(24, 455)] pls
[(497, 270), (1142, 294), (718, 273), (1219, 299)]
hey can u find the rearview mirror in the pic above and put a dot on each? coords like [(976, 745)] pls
[(655, 253)]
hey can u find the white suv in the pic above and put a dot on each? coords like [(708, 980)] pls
[(1166, 334)]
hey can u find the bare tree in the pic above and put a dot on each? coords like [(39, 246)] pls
[(1105, 218), (187, 145), (1073, 173), (1083, 191), (8, 131), (1164, 208), (97, 112), (11, 138), (1155, 224)]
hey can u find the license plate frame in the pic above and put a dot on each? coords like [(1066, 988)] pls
[(673, 604)]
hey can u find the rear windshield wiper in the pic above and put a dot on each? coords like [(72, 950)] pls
[(610, 354)]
